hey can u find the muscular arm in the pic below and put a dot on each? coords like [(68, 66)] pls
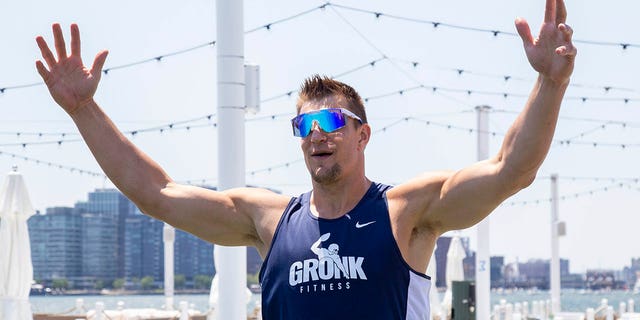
[(233, 217), (228, 218), (454, 200), (467, 196)]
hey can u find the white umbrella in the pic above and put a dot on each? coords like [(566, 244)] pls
[(455, 270), (16, 270)]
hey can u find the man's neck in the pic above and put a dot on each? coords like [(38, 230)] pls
[(332, 201)]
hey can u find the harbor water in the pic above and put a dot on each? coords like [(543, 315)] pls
[(572, 300)]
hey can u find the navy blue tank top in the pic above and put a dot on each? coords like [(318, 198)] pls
[(344, 268)]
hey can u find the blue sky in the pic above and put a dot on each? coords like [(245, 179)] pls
[(602, 225)]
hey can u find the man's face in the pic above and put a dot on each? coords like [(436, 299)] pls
[(329, 154)]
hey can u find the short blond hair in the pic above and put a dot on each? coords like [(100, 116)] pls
[(319, 87)]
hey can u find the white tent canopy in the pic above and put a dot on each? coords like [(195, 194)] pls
[(16, 270)]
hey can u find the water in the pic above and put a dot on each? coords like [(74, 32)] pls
[(572, 300), (62, 304)]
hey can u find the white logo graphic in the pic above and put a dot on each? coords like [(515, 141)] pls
[(358, 225), (331, 253), (328, 266)]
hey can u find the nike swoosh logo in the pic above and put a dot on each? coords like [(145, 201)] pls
[(358, 225)]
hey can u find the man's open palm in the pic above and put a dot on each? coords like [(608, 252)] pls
[(70, 83)]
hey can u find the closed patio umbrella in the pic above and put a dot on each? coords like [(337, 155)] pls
[(16, 270)]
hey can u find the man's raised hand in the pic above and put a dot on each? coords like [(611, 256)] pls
[(70, 83), (552, 53)]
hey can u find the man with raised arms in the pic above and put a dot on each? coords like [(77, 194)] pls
[(386, 235)]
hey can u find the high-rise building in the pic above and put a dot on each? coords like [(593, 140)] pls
[(143, 248), (107, 237), (99, 248), (497, 266), (442, 247), (193, 256), (103, 221), (55, 239)]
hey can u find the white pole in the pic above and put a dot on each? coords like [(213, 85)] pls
[(168, 237), (232, 268), (555, 251), (483, 267)]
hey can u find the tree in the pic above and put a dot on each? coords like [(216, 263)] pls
[(98, 285), (179, 281), (202, 281), (146, 283), (118, 283), (61, 283)]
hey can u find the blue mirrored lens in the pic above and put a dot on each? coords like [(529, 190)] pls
[(329, 120)]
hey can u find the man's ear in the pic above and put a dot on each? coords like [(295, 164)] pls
[(365, 134)]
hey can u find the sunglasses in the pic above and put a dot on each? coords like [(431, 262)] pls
[(329, 120)]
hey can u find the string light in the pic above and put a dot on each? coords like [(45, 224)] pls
[(185, 125), (53, 165), (595, 179), (505, 95), (289, 93), (268, 26), (495, 33), (462, 72), (566, 196), (159, 58)]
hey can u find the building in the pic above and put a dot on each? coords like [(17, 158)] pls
[(193, 256), (100, 261), (103, 220), (496, 271), (56, 250), (537, 273), (107, 238), (143, 249)]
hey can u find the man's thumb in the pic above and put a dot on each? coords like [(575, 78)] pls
[(524, 31), (98, 63)]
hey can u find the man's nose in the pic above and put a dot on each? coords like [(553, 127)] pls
[(317, 134)]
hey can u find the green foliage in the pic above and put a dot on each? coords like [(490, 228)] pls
[(179, 281), (61, 283), (146, 283), (202, 281), (118, 283), (98, 285)]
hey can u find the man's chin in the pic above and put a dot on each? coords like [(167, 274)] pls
[(326, 176)]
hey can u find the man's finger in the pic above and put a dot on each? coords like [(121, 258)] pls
[(75, 40), (47, 55), (98, 63), (42, 70), (561, 12), (550, 11), (567, 31), (567, 51), (61, 48), (524, 31)]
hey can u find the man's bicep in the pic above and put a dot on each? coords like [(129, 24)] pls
[(469, 195), (218, 217)]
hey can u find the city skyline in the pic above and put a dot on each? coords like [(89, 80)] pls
[(109, 208), (166, 102)]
